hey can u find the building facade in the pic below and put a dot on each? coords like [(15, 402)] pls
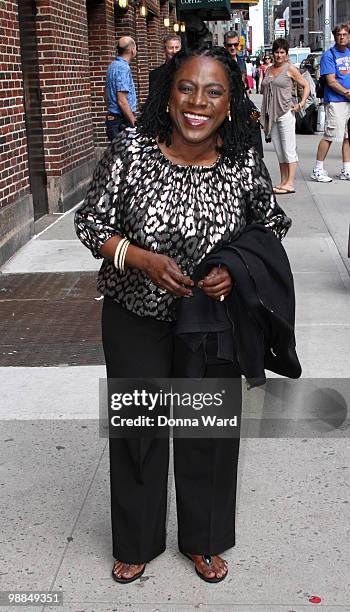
[(54, 55), (306, 20), (339, 13)]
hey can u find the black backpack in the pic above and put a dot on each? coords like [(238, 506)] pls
[(322, 81)]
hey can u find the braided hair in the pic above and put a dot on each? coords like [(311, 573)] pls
[(154, 120)]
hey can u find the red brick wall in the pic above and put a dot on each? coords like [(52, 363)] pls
[(172, 15), (76, 42), (142, 57), (102, 50), (65, 87), (156, 55), (164, 12), (125, 22), (14, 180)]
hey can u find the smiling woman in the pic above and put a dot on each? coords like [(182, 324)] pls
[(181, 185), (198, 106), (212, 99)]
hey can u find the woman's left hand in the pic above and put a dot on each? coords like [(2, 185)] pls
[(295, 108), (217, 283)]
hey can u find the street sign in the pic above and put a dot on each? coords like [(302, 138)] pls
[(280, 28)]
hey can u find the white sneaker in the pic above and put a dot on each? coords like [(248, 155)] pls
[(320, 175), (343, 176)]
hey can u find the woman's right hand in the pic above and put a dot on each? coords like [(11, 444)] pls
[(296, 107), (166, 274), (162, 270)]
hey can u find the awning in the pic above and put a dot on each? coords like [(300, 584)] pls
[(240, 5), (208, 10)]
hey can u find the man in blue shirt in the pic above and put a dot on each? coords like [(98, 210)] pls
[(120, 89), (335, 66)]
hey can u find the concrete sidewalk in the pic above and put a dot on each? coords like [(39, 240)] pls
[(293, 498)]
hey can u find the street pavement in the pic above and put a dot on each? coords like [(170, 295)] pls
[(292, 550)]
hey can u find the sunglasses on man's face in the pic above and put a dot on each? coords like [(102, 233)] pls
[(232, 44)]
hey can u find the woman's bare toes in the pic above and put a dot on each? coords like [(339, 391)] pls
[(219, 566), (125, 571)]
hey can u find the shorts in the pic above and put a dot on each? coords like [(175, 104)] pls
[(284, 139), (337, 116)]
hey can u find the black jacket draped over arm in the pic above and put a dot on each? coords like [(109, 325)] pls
[(255, 323)]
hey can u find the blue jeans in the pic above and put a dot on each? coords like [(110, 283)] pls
[(114, 126)]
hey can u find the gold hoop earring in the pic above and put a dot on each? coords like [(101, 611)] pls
[(229, 115), (167, 109)]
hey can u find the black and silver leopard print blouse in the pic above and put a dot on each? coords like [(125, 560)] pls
[(180, 211)]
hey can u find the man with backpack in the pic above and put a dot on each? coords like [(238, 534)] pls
[(335, 71)]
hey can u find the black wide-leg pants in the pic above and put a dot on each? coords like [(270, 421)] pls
[(205, 469)]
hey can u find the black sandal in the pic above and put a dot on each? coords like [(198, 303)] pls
[(207, 561), (127, 580)]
